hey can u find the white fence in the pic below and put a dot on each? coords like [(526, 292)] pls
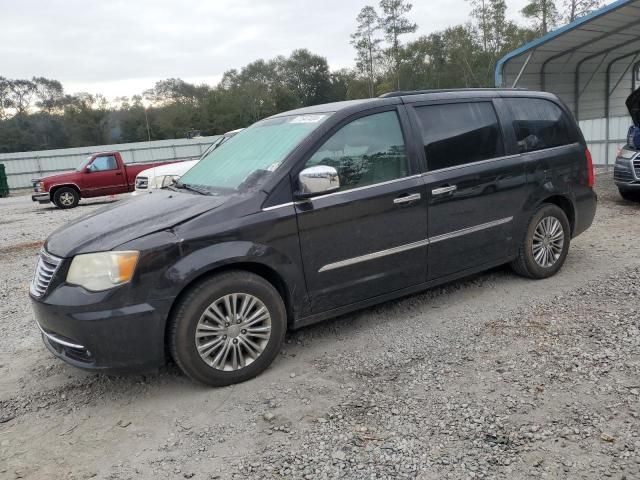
[(604, 148), (24, 166)]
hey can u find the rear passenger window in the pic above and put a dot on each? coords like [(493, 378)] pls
[(459, 133), (538, 124)]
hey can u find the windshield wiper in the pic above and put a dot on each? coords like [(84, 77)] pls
[(193, 188)]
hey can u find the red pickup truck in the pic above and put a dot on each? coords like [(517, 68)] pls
[(99, 175)]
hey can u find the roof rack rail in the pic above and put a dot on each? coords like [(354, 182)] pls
[(401, 93)]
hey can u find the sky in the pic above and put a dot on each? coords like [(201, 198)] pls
[(121, 48)]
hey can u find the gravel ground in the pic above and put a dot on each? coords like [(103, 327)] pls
[(493, 376)]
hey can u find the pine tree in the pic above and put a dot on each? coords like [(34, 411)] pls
[(575, 9), (367, 44), (395, 23), (544, 13)]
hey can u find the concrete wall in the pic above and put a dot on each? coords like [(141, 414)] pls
[(24, 166)]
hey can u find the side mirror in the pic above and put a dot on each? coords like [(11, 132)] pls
[(89, 169), (318, 180)]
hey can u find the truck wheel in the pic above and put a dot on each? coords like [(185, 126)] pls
[(546, 243), (632, 196), (66, 197), (227, 329)]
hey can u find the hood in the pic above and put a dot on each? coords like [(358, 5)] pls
[(178, 169), (59, 178), (633, 105), (127, 220)]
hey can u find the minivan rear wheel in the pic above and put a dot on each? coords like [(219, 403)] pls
[(228, 328), (545, 245)]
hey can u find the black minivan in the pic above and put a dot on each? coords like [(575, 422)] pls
[(311, 214)]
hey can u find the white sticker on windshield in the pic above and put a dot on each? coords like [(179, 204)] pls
[(307, 119)]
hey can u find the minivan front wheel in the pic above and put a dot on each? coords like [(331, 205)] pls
[(545, 245), (228, 328)]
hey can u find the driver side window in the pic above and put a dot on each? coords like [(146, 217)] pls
[(101, 164), (366, 151)]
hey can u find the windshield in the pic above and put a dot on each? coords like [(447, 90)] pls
[(83, 165), (247, 159)]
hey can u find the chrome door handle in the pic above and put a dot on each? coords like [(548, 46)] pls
[(443, 190), (408, 199)]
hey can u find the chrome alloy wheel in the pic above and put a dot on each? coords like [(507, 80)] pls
[(548, 240), (67, 199), (233, 331)]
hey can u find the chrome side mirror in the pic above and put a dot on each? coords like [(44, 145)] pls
[(318, 180)]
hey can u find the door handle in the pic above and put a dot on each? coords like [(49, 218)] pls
[(407, 199), (443, 190), (118, 173)]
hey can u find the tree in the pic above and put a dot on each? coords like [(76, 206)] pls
[(21, 94), (394, 24), (575, 9), (367, 44), (49, 94), (480, 12), (544, 14), (5, 96), (307, 76), (175, 90)]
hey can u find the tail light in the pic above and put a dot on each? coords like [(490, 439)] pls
[(591, 178)]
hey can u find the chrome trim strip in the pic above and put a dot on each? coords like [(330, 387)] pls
[(275, 207), (466, 231), (410, 246), (357, 189), (395, 180), (54, 338), (371, 256)]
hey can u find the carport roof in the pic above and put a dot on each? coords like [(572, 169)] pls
[(578, 58)]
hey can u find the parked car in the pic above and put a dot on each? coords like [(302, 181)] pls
[(311, 214), (166, 175), (626, 172), (98, 175)]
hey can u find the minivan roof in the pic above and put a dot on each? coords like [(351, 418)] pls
[(415, 96)]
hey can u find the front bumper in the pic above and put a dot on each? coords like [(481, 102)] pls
[(88, 330), (41, 197), (626, 173)]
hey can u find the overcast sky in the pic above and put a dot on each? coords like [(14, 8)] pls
[(119, 47)]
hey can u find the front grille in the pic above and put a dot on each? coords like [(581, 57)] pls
[(45, 270), (142, 183), (636, 167)]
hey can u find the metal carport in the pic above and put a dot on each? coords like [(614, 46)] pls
[(592, 64)]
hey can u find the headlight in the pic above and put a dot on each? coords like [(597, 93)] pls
[(164, 181), (104, 270)]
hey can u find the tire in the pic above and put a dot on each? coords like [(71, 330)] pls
[(66, 197), (217, 330), (546, 264), (630, 195)]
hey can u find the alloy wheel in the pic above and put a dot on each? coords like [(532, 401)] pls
[(233, 331), (67, 199), (548, 241)]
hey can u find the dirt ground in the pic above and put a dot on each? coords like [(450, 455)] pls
[(493, 376)]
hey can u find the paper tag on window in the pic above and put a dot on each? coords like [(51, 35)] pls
[(307, 119)]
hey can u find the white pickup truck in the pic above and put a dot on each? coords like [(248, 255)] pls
[(165, 175)]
